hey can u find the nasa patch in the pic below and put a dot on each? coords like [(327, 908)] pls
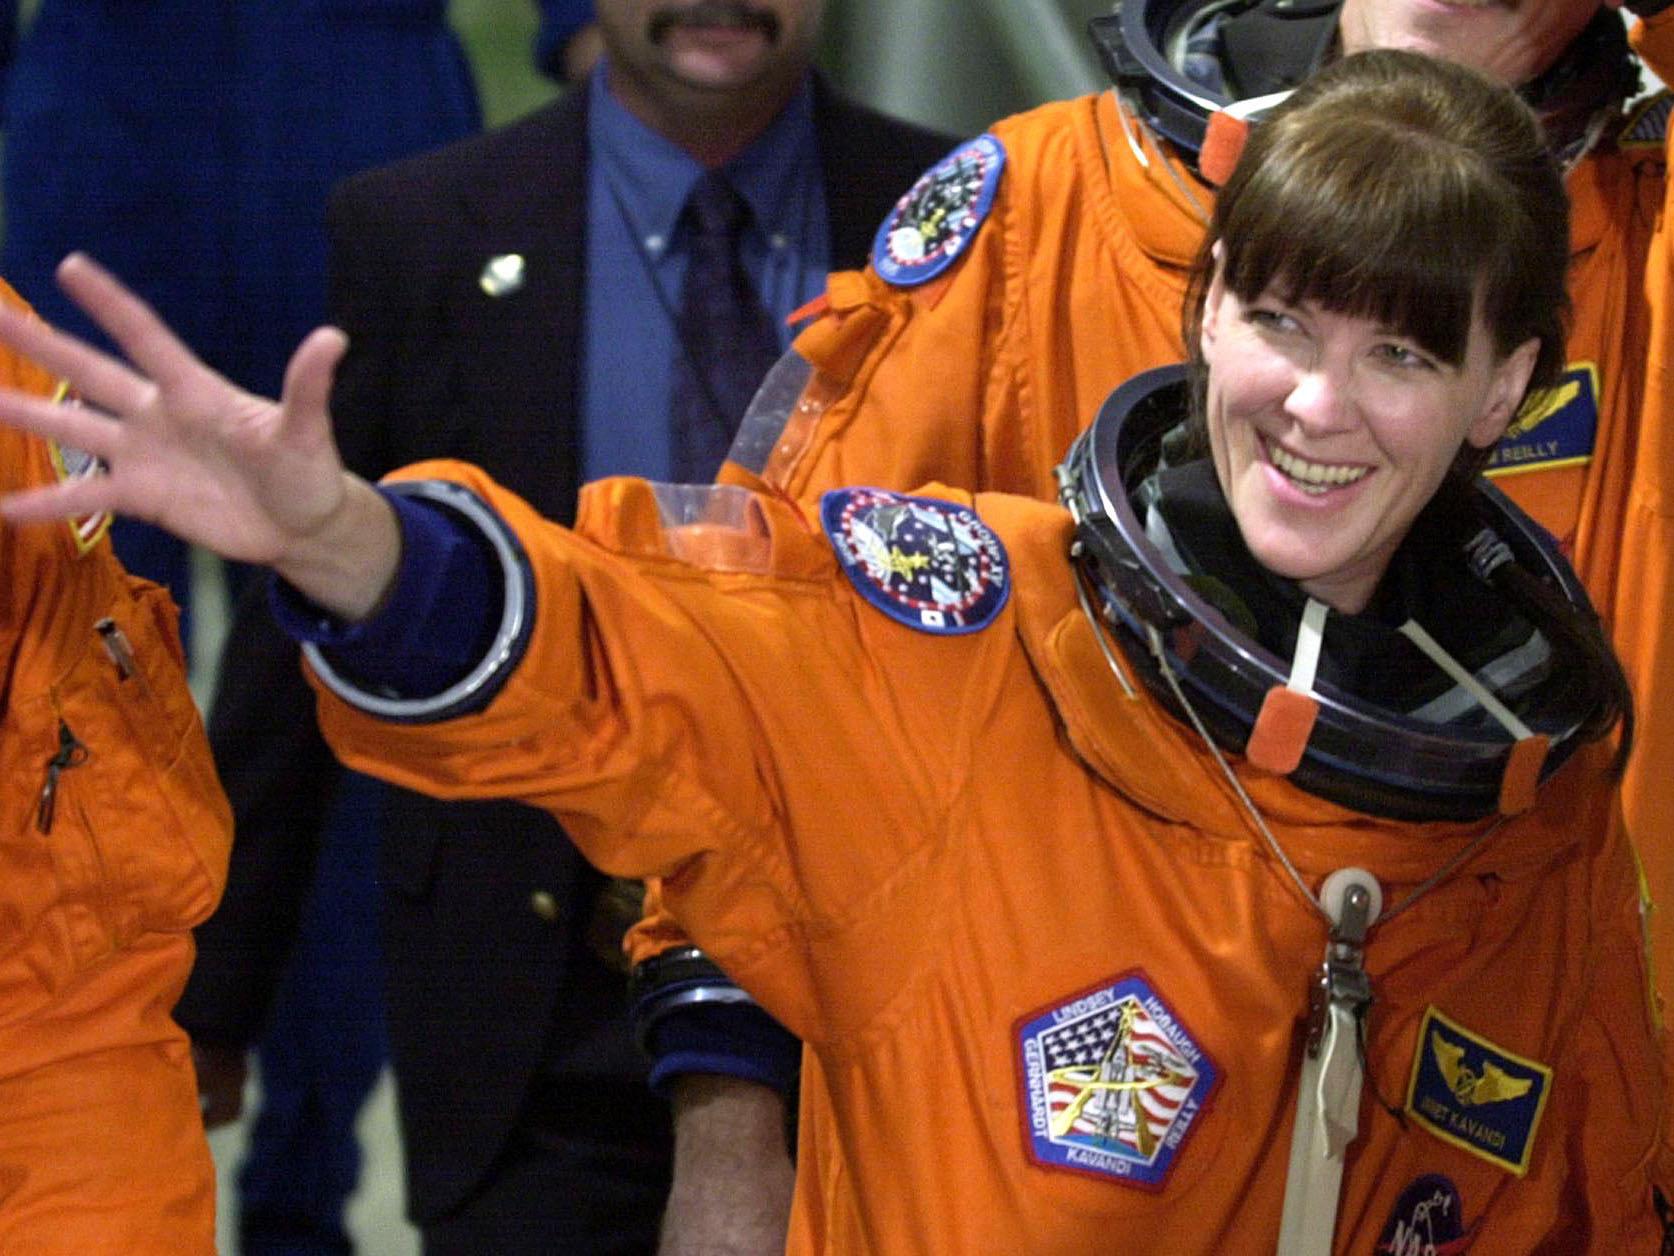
[(1112, 1083), (931, 565), (1476, 1096), (1558, 430), (1428, 1220), (931, 225)]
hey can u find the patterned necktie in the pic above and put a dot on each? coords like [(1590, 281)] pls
[(726, 340)]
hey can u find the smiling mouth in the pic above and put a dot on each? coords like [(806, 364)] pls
[(1313, 478)]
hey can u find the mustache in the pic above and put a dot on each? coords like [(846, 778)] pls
[(723, 14)]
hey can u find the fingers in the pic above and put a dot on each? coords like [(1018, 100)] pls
[(99, 378), (309, 375), (67, 424), (130, 322), (68, 500)]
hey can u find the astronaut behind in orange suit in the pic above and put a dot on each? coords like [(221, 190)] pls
[(1063, 278), (114, 846), (1228, 857)]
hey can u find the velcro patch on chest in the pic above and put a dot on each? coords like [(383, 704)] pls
[(1475, 1095), (939, 215), (1557, 430), (928, 564), (1112, 1082)]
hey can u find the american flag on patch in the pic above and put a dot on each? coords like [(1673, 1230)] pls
[(1115, 1081)]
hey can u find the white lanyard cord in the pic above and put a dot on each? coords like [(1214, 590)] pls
[(1460, 676)]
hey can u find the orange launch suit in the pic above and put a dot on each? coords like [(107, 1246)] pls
[(927, 854), (113, 844)]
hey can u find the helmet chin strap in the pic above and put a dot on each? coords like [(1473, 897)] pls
[(1286, 720), (1279, 737)]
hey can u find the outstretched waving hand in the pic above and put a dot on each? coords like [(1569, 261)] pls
[(189, 451)]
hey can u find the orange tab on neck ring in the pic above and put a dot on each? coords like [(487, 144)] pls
[(1223, 144), (1522, 773), (1228, 129), (1281, 731)]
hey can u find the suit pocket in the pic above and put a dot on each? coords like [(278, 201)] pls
[(143, 794)]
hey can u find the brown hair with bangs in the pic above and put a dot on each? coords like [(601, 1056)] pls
[(1406, 190), (1415, 193)]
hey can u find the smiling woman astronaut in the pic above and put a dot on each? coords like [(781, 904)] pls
[(1324, 934)]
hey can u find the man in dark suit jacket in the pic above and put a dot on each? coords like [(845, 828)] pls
[(461, 279)]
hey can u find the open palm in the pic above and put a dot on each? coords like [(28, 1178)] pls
[(185, 449)]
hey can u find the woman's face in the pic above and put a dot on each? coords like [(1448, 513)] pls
[(1330, 433)]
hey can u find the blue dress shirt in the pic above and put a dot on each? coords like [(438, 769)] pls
[(637, 184)]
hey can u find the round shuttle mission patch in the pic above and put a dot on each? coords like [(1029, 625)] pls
[(928, 564), (931, 225)]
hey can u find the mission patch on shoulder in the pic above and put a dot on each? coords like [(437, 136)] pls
[(1112, 1082), (1475, 1095), (1558, 430), (931, 565), (1646, 123), (931, 225)]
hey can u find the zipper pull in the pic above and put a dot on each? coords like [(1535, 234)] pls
[(71, 753), (1328, 1096), (117, 645)]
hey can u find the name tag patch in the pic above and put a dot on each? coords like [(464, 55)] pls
[(1559, 431), (1113, 1083), (928, 564), (1428, 1220), (1475, 1095), (939, 215)]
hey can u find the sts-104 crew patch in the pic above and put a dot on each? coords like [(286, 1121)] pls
[(1428, 1220), (931, 225), (925, 563), (1112, 1083), (1557, 431), (1476, 1096)]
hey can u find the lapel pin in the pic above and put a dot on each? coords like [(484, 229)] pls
[(503, 275)]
